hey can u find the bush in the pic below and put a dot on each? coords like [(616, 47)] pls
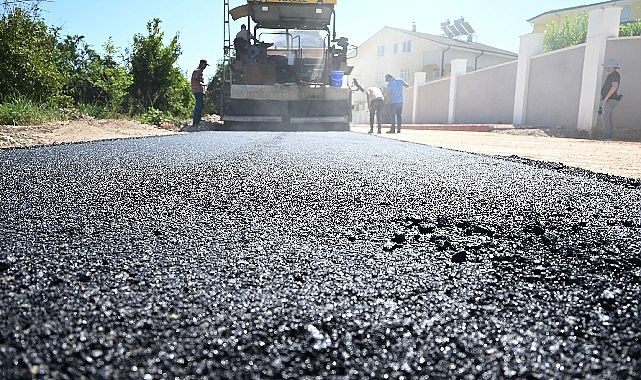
[(214, 91), (96, 80), (41, 73), (630, 29), (157, 82), (154, 117), (181, 99), (572, 30), (29, 58)]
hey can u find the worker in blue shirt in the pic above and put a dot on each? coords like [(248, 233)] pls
[(395, 88)]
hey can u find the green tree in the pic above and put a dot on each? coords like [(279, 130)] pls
[(157, 82), (181, 99), (94, 80), (110, 79), (76, 58), (572, 30), (214, 91), (30, 63)]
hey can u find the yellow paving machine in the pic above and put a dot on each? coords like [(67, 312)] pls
[(285, 67)]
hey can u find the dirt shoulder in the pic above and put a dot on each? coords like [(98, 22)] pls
[(86, 129), (91, 129), (618, 158)]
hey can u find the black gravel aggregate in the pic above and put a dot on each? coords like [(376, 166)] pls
[(313, 255)]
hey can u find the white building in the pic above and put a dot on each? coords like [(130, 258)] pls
[(406, 52)]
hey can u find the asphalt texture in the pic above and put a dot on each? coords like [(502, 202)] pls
[(313, 255)]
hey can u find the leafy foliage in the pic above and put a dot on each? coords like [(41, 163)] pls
[(630, 29), (42, 72), (572, 30), (96, 80), (111, 78), (157, 82), (29, 58), (213, 95), (180, 99), (154, 117)]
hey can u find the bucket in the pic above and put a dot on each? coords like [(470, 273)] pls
[(337, 78)]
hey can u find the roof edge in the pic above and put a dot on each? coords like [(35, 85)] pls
[(462, 44), (613, 2)]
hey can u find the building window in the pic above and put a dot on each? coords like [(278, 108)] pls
[(395, 49), (380, 78), (381, 51), (407, 46), (405, 74), (626, 14)]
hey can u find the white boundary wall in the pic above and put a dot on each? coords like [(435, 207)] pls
[(556, 89)]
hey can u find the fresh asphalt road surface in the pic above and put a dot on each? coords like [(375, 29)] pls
[(289, 255)]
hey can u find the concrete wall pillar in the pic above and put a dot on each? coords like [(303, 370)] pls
[(419, 79), (459, 67), (603, 24), (531, 45)]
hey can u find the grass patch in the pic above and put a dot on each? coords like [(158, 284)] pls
[(27, 112), (21, 111)]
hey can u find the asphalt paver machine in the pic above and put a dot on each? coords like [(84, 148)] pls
[(287, 74)]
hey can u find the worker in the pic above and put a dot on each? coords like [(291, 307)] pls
[(242, 44), (244, 34), (198, 86), (395, 88), (375, 102)]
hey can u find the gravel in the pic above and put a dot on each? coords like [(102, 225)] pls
[(313, 255)]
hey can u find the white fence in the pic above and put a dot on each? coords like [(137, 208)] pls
[(559, 89)]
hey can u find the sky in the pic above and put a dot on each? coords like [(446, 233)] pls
[(199, 24)]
